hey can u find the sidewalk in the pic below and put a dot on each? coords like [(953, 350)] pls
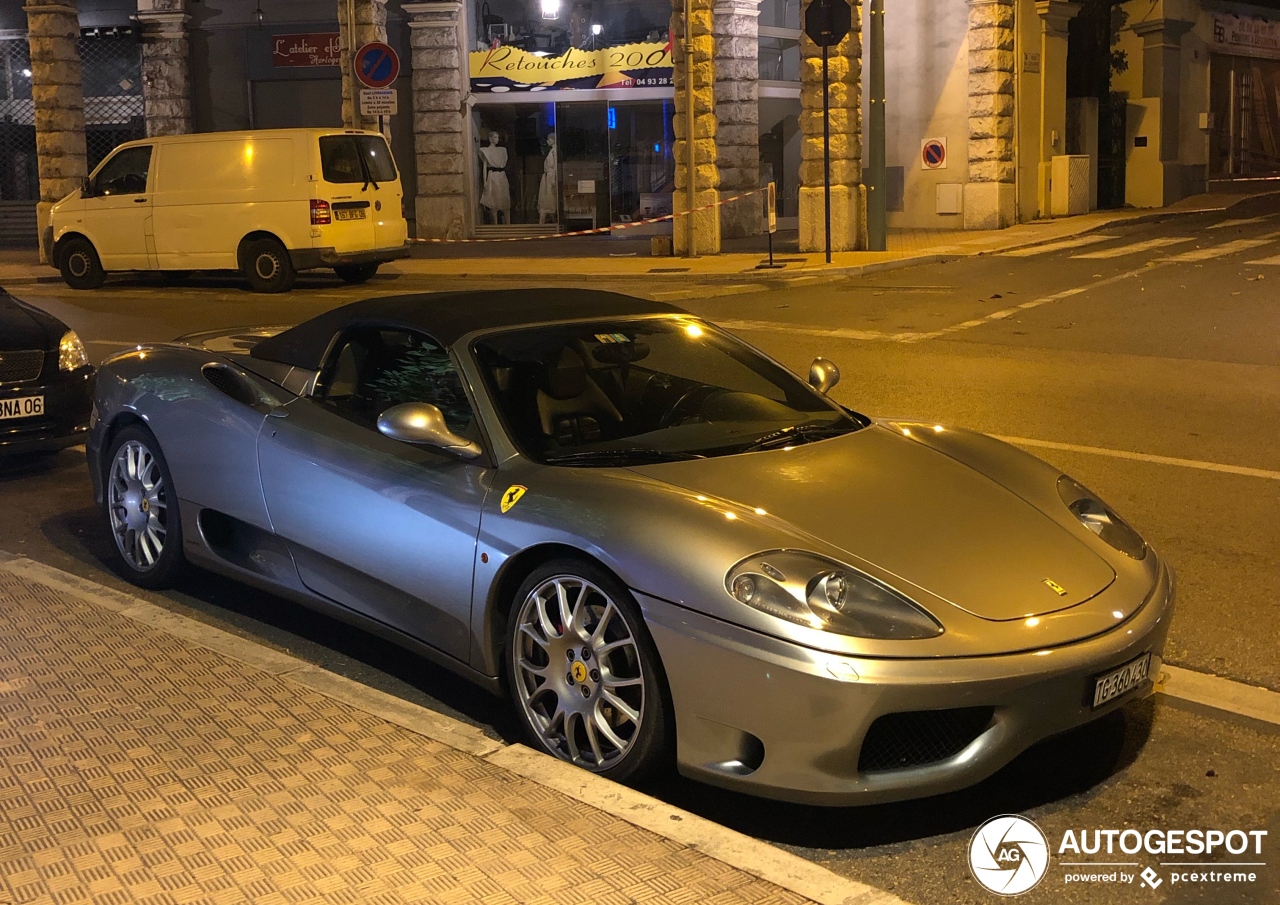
[(621, 257), (149, 758)]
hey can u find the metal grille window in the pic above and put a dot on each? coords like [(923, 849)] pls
[(18, 171), (111, 66)]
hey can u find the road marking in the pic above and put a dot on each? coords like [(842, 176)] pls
[(1216, 251), (1242, 470), (807, 330), (1271, 261), (1133, 248), (1220, 694), (1226, 223), (1077, 242)]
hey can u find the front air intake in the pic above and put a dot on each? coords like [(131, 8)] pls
[(897, 741)]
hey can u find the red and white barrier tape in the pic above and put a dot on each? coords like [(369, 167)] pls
[(600, 229)]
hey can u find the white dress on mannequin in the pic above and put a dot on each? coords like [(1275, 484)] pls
[(495, 191), (549, 188)]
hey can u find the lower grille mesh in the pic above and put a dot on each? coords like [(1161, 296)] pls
[(896, 741), (17, 366)]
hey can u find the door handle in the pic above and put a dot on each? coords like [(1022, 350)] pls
[(139, 200)]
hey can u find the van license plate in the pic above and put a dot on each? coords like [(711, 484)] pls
[(357, 214), (22, 407), (1111, 685)]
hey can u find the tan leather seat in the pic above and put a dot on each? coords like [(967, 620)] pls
[(571, 406)]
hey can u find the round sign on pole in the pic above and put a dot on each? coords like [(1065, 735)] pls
[(376, 65), (933, 154)]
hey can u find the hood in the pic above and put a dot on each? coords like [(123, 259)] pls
[(24, 327), (915, 513)]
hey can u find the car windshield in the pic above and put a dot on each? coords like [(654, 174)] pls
[(646, 390)]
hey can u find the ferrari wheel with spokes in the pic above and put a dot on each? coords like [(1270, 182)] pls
[(142, 509), (584, 672)]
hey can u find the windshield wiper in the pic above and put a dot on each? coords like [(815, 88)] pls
[(803, 432), (627, 455)]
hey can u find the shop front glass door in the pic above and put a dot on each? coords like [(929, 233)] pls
[(642, 169), (583, 143)]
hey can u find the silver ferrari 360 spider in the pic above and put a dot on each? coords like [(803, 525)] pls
[(657, 540)]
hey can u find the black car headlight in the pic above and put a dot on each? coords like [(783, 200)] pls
[(1101, 519), (821, 593), (71, 353)]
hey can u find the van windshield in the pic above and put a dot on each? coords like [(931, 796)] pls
[(341, 157)]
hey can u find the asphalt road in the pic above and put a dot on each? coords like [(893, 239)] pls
[(1149, 360)]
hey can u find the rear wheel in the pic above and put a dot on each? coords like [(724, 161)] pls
[(267, 266), (584, 673), (141, 509), (79, 264), (356, 273)]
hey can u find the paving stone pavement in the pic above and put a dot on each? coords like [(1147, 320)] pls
[(137, 767)]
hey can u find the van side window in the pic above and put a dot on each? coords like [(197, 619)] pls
[(356, 158), (125, 173), (372, 368)]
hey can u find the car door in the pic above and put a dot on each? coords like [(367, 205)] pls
[(385, 528), (117, 210)]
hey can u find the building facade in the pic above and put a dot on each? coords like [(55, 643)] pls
[(521, 117)]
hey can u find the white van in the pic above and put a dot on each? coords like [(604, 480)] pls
[(266, 203)]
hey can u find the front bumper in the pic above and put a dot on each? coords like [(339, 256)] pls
[(310, 258), (771, 718), (68, 397)]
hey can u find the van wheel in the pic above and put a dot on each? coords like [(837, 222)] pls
[(267, 266), (356, 273), (79, 264)]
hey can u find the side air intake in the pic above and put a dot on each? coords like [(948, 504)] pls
[(230, 382)]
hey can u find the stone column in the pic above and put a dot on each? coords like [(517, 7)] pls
[(705, 177), (737, 39), (1162, 76), (1054, 16), (166, 70), (848, 197), (990, 194), (439, 79), (53, 27), (370, 24)]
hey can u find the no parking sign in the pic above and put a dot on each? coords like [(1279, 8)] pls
[(376, 65), (933, 154)]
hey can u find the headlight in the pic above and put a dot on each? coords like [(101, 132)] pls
[(1099, 518), (71, 352), (821, 593)]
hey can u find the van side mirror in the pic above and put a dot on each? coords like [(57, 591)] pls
[(423, 424), (86, 188), (823, 375)]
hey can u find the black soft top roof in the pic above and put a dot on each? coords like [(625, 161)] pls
[(448, 316)]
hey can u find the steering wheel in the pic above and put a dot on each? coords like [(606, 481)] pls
[(688, 404)]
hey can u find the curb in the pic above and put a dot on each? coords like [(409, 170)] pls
[(737, 850)]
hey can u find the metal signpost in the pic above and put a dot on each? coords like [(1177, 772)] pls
[(376, 66), (877, 197), (771, 215), (827, 22)]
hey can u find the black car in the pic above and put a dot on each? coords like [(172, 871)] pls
[(46, 381)]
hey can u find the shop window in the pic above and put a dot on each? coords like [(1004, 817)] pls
[(779, 59), (516, 164), (780, 14)]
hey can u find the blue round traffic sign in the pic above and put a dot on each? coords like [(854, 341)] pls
[(933, 154), (376, 65)]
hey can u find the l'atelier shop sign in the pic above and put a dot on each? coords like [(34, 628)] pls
[(505, 68), (312, 49), (1246, 36)]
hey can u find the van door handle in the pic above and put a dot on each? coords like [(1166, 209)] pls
[(139, 200)]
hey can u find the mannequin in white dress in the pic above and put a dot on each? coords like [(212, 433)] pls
[(549, 188), (495, 189)]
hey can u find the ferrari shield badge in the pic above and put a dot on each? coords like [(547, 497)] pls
[(1053, 585), (512, 496)]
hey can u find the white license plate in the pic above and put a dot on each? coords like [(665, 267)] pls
[(1111, 685), (22, 407), (357, 214)]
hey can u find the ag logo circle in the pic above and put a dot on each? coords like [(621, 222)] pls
[(1008, 855)]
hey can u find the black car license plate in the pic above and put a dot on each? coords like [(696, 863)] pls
[(1120, 681), (22, 407)]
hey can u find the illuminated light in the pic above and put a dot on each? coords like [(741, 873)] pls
[(26, 73), (1118, 614), (731, 516), (550, 9), (596, 28), (613, 112), (1032, 622), (693, 330), (248, 154), (657, 148), (937, 428), (760, 511), (906, 432)]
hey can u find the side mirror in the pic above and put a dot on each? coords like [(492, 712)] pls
[(423, 423), (823, 375), (86, 188)]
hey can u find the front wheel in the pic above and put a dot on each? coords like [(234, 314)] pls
[(356, 273), (142, 509), (267, 265), (79, 264), (584, 673)]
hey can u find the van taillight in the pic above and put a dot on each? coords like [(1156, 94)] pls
[(320, 213)]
